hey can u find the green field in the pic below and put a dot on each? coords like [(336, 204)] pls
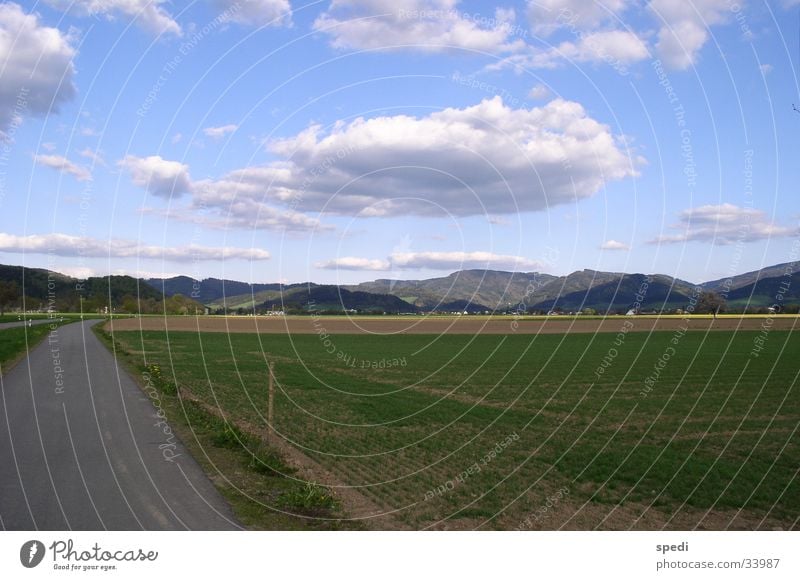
[(519, 431)]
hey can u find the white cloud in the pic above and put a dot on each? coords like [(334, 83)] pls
[(80, 272), (352, 263), (766, 68), (176, 138), (64, 165), (36, 75), (433, 261), (148, 14), (416, 25), (487, 158), (614, 245), (461, 261), (160, 177), (67, 245), (724, 224), (685, 28), (256, 12), (219, 132), (146, 274), (548, 16)]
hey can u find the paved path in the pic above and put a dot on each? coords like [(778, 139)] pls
[(83, 448)]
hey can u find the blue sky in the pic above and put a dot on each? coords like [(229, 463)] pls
[(348, 140)]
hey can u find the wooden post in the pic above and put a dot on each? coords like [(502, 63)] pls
[(271, 395)]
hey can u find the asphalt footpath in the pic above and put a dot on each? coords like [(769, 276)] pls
[(82, 447)]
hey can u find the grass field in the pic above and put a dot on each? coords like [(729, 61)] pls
[(575, 431)]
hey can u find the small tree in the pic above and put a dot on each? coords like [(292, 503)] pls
[(130, 304), (710, 303), (9, 293)]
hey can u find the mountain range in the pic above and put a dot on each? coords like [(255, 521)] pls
[(463, 291), (492, 290)]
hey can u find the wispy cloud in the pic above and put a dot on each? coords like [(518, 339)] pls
[(219, 132), (63, 165), (354, 263), (724, 224), (93, 155), (614, 245)]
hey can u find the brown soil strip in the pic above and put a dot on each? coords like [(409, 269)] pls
[(443, 325)]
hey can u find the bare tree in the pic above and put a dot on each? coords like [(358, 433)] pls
[(710, 303)]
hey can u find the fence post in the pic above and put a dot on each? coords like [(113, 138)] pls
[(271, 395)]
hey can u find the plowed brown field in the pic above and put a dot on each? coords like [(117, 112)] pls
[(448, 325)]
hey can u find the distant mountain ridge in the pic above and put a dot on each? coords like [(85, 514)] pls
[(463, 291), (209, 289), (493, 290)]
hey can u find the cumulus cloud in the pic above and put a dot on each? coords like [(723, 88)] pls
[(148, 14), (433, 261), (256, 12), (487, 158), (37, 73), (724, 224), (219, 132), (67, 245), (63, 165), (416, 25), (685, 28), (614, 245), (160, 177)]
